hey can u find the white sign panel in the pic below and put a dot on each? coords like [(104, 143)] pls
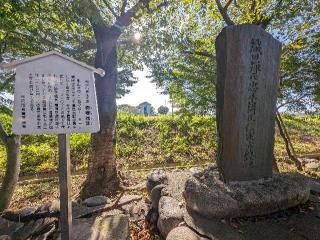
[(54, 95)]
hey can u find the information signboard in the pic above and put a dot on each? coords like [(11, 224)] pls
[(56, 94)]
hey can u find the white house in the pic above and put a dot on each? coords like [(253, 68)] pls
[(145, 108)]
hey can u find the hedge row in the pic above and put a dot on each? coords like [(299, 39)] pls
[(153, 141)]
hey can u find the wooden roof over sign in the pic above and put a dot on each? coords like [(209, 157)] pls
[(46, 54)]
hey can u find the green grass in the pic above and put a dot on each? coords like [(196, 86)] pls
[(144, 142)]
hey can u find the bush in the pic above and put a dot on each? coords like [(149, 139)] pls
[(153, 141)]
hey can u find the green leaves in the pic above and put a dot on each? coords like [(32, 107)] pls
[(179, 49)]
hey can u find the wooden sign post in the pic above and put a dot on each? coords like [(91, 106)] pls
[(65, 186), (55, 94)]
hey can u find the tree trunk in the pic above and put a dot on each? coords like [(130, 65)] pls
[(11, 176), (102, 178), (289, 147)]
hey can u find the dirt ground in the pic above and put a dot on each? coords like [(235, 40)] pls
[(302, 222)]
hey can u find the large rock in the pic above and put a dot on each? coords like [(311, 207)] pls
[(33, 228), (8, 227), (212, 228), (95, 201), (155, 178), (175, 184), (156, 195), (315, 187), (210, 197), (248, 60), (26, 212), (136, 210), (170, 215), (183, 233), (101, 228)]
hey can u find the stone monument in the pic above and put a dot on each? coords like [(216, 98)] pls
[(248, 61)]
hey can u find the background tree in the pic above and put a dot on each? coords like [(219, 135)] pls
[(163, 110), (182, 60), (24, 31), (108, 19), (126, 108), (181, 55)]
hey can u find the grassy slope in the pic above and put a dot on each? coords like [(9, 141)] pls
[(145, 142), (158, 141)]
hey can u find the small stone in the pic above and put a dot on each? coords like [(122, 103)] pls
[(170, 215), (183, 233), (95, 201), (50, 207), (194, 170), (155, 178), (313, 165), (156, 195), (5, 237), (74, 203)]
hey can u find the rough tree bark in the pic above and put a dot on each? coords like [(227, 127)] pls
[(102, 170), (102, 177), (12, 144)]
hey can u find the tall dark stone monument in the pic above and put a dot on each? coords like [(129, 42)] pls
[(248, 60)]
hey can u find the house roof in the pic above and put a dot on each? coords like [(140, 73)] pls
[(43, 55), (145, 103)]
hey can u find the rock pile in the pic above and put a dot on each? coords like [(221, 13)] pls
[(191, 204), (90, 219)]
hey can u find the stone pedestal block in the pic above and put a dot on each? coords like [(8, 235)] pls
[(212, 198), (248, 60)]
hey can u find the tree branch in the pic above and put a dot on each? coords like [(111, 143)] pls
[(163, 4), (126, 18), (123, 7), (225, 8), (264, 23), (293, 100), (200, 53), (223, 12), (3, 135), (89, 10), (110, 9), (6, 82)]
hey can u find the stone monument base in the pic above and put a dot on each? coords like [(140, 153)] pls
[(208, 196), (198, 200)]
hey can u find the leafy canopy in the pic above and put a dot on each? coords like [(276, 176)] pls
[(179, 49)]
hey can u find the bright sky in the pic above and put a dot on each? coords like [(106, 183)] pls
[(144, 90)]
